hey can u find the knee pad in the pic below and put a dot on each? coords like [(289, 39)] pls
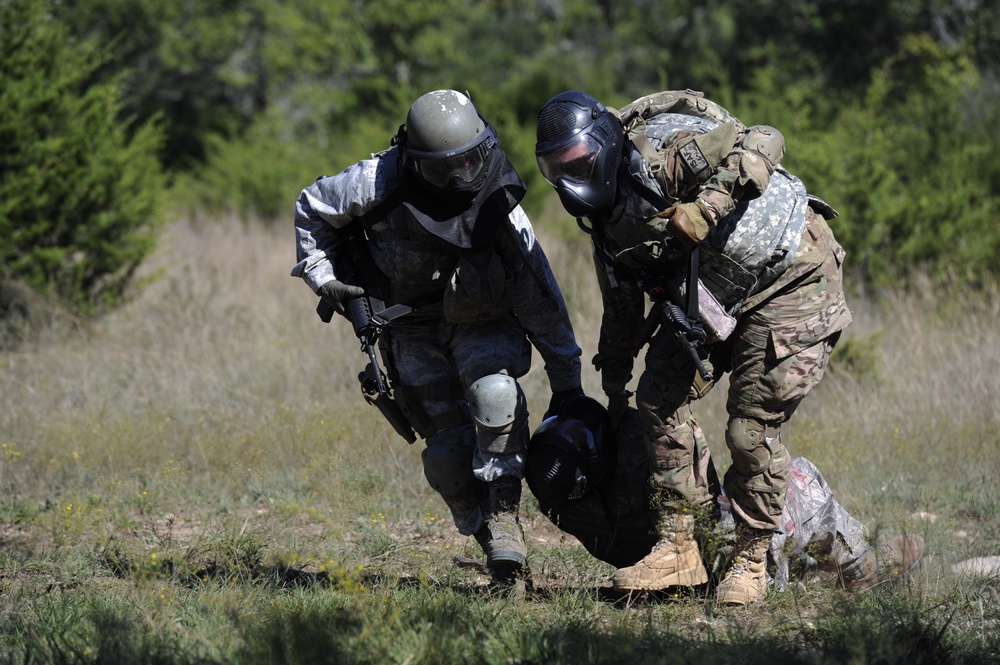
[(500, 412), (448, 468), (749, 445)]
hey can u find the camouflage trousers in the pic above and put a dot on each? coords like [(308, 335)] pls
[(432, 363), (777, 354)]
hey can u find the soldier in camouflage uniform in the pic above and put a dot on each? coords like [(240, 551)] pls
[(593, 485), (456, 259), (678, 194)]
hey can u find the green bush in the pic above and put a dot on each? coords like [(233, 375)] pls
[(79, 189), (261, 175), (911, 166)]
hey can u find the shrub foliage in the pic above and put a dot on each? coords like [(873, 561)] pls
[(79, 187), (889, 112)]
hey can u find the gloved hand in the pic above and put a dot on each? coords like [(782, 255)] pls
[(336, 293), (690, 222), (617, 404), (558, 397)]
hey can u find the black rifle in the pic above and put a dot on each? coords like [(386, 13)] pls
[(685, 327), (369, 316)]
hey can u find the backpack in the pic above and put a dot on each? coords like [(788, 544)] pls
[(691, 158), (685, 102)]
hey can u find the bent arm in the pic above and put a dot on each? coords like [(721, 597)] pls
[(745, 171), (624, 305), (330, 204)]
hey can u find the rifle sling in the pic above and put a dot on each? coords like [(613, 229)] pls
[(393, 312), (691, 295)]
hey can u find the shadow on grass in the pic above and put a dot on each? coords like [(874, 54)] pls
[(479, 583), (410, 619)]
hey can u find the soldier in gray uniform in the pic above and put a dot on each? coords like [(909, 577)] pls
[(455, 258), (688, 205), (592, 484)]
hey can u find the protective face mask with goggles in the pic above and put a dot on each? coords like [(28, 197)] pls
[(454, 169)]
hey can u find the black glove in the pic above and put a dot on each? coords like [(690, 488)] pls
[(558, 397), (335, 293), (617, 405)]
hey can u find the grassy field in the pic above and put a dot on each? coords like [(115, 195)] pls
[(196, 479)]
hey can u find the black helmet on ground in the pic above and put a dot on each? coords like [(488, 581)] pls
[(579, 150), (567, 455)]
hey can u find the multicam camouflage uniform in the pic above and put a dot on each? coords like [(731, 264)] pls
[(773, 263), (463, 330)]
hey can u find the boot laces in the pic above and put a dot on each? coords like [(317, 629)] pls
[(752, 551), (740, 564), (504, 526)]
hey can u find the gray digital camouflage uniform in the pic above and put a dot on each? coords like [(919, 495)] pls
[(818, 537), (459, 333), (773, 263)]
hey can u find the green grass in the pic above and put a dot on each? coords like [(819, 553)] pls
[(195, 479)]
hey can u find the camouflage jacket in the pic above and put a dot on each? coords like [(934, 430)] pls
[(419, 265)]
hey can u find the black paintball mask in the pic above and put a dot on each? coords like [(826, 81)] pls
[(579, 150), (568, 456)]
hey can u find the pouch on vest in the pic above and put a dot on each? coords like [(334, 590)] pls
[(728, 281), (715, 320), (479, 289)]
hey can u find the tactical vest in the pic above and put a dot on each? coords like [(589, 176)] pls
[(435, 276), (413, 261)]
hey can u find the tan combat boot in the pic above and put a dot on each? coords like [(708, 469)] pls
[(674, 561), (746, 580), (501, 535), (886, 563)]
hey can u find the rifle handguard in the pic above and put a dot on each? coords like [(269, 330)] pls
[(359, 314)]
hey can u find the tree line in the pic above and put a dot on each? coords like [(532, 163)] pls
[(114, 112)]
